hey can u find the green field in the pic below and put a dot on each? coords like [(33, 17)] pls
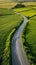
[(26, 11), (9, 21), (29, 36), (29, 33), (7, 4), (29, 40)]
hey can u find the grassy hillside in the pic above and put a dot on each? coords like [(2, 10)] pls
[(29, 40), (29, 33), (8, 24)]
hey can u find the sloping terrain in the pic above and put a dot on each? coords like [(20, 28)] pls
[(9, 21)]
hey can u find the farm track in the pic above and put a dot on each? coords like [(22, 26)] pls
[(18, 54)]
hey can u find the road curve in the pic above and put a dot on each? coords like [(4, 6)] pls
[(18, 56)]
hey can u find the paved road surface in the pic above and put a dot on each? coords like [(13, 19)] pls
[(18, 56)]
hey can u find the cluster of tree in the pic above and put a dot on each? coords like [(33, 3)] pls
[(19, 6)]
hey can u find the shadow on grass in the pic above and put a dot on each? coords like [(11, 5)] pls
[(31, 16), (0, 60), (6, 14)]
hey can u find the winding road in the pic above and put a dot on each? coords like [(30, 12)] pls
[(18, 54)]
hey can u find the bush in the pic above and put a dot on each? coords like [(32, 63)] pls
[(19, 6)]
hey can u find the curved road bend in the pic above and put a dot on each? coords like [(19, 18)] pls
[(18, 56)]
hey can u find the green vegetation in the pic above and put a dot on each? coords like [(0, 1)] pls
[(29, 40), (7, 4), (9, 21), (29, 33), (29, 37), (19, 5), (27, 11)]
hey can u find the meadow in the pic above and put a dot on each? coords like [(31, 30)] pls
[(7, 5), (9, 21), (29, 40), (26, 11), (29, 33)]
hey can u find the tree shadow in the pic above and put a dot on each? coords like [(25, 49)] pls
[(0, 61), (31, 16)]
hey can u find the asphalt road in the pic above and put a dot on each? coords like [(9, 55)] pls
[(18, 54)]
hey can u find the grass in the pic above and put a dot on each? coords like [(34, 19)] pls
[(9, 21), (29, 3), (29, 33), (29, 13), (7, 5), (26, 11), (29, 40), (5, 12), (22, 9)]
